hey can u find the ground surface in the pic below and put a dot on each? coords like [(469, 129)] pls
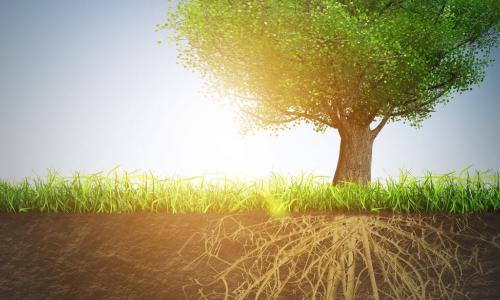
[(134, 256)]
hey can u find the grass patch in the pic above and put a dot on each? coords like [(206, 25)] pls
[(131, 192)]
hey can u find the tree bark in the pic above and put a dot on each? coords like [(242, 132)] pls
[(355, 157)]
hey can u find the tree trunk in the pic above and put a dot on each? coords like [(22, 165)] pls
[(355, 157)]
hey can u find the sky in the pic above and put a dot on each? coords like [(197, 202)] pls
[(85, 87)]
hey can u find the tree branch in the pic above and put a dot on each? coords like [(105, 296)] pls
[(295, 115), (306, 116), (421, 107), (440, 12), (370, 117), (333, 115), (272, 121), (375, 131)]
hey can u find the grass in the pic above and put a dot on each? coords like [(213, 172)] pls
[(125, 192)]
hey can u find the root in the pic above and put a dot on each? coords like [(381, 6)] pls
[(369, 257)]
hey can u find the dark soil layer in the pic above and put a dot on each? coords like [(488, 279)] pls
[(135, 256)]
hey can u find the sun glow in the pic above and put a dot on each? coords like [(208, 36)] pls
[(211, 141)]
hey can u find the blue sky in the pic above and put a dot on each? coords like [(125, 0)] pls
[(85, 87)]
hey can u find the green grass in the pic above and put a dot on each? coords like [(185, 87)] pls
[(129, 192)]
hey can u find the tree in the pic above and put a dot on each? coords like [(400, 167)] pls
[(348, 65)]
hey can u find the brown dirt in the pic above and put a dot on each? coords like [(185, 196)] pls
[(135, 256)]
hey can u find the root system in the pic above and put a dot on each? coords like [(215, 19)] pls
[(341, 257)]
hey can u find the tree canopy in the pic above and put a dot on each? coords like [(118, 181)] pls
[(337, 62)]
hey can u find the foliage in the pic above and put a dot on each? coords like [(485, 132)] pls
[(130, 192), (331, 62)]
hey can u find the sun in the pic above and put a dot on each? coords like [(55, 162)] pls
[(211, 141)]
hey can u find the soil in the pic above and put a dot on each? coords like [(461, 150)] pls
[(136, 256)]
